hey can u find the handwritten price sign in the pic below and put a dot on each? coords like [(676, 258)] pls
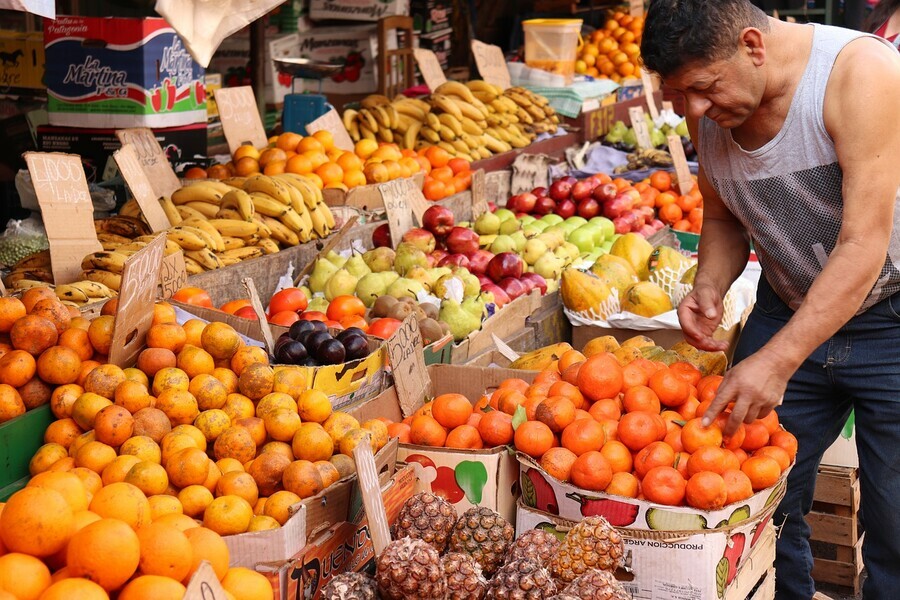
[(491, 64), (141, 188), (172, 274), (152, 160), (240, 117), (408, 363)]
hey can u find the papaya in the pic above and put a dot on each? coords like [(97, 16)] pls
[(640, 341), (636, 250), (581, 292), (709, 363), (603, 343), (540, 359), (646, 299), (615, 271), (626, 354)]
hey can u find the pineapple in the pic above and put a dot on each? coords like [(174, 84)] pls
[(463, 576), (535, 544), (428, 518), (592, 544), (410, 568), (521, 579), (595, 584), (485, 535), (350, 586)]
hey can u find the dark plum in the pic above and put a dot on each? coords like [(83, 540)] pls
[(356, 346), (316, 339), (299, 327), (291, 353), (348, 332), (331, 352)]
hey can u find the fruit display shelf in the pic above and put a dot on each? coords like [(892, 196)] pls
[(19, 440)]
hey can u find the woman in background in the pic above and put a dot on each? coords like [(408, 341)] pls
[(884, 21)]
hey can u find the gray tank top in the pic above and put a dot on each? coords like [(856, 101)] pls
[(787, 193)]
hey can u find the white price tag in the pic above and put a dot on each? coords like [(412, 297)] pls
[(641, 131)]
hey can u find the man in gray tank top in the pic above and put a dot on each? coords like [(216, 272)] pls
[(798, 132)]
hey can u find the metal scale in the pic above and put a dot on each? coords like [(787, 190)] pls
[(303, 108)]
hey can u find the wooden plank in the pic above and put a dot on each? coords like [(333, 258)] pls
[(766, 590), (832, 529), (756, 566), (836, 573), (837, 485)]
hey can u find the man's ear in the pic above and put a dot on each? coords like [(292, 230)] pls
[(751, 42)]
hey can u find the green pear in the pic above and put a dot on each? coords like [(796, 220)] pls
[(405, 288), (509, 226), (390, 277), (460, 321), (487, 224), (341, 283), (526, 219), (475, 305), (336, 259), (438, 272), (440, 286), (321, 273), (319, 303), (421, 275), (682, 129), (657, 138), (551, 219), (503, 243), (553, 239), (379, 259), (471, 285), (306, 291), (534, 249), (505, 214), (370, 287), (549, 266), (408, 256), (583, 238), (485, 241), (356, 266), (519, 238)]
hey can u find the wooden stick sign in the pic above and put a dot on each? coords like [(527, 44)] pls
[(648, 93), (152, 159), (66, 208), (134, 314), (141, 188), (240, 117), (682, 170), (479, 194)]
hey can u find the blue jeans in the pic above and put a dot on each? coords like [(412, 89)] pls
[(858, 368)]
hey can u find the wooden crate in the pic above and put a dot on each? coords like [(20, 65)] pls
[(837, 536), (765, 589)]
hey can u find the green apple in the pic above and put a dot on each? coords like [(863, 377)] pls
[(503, 243), (526, 219), (606, 226), (583, 239), (487, 224), (568, 227), (505, 214), (509, 226), (519, 238), (552, 219), (538, 225), (605, 246), (576, 219)]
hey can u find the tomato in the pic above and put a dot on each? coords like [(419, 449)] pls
[(232, 306), (194, 296), (384, 328), (345, 306), (246, 312), (292, 299), (354, 321), (284, 317), (313, 315), (334, 324)]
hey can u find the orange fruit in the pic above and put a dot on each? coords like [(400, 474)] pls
[(780, 455), (165, 551), (763, 472), (533, 438), (707, 458), (124, 502), (22, 576), (618, 456), (600, 377), (246, 584), (11, 310), (208, 545), (156, 587), (496, 429), (706, 490), (464, 436), (106, 552), (36, 521), (623, 484), (655, 454), (46, 457), (591, 471), (607, 408), (303, 479), (664, 485), (694, 435), (638, 429), (557, 462), (74, 587), (784, 440), (641, 398), (427, 431), (583, 435), (671, 389), (228, 515), (755, 436), (738, 486)]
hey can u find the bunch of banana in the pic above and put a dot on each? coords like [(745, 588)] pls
[(381, 119), (34, 271), (646, 159), (533, 110), (34, 267), (458, 123)]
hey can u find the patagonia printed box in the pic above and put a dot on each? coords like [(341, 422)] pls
[(116, 72)]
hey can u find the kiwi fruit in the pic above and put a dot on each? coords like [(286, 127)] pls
[(431, 330), (382, 305), (431, 311), (401, 310)]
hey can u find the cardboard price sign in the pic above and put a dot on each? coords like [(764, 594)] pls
[(240, 117), (67, 210), (668, 106), (479, 194), (641, 131), (636, 8), (256, 303), (152, 159), (682, 170), (141, 188), (430, 68), (204, 585), (332, 123), (405, 353), (648, 93), (172, 274), (134, 315), (491, 64), (404, 204)]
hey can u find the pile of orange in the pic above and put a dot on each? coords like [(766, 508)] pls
[(444, 174), (681, 212), (613, 52), (633, 431)]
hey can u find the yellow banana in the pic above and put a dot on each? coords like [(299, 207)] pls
[(433, 121), (187, 238), (197, 192), (240, 201), (108, 261), (268, 185), (205, 226), (329, 216), (409, 109), (206, 210), (188, 212), (320, 225), (93, 289), (386, 135), (240, 254), (281, 232), (269, 246), (125, 226), (131, 209), (451, 122), (232, 243), (208, 241), (266, 205), (394, 115), (368, 120), (469, 126), (110, 238), (235, 182), (205, 258), (448, 147), (446, 104), (411, 135), (131, 247), (430, 135), (171, 210), (71, 293), (192, 266), (374, 100), (234, 227), (264, 230), (349, 117), (480, 85), (382, 116), (293, 221), (455, 88), (228, 213)]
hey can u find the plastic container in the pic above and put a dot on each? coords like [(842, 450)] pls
[(552, 45)]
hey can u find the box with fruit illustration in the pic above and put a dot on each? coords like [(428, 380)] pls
[(274, 552), (351, 46), (465, 477), (357, 10), (542, 491), (726, 563), (344, 546), (116, 72)]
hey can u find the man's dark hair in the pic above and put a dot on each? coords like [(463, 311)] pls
[(680, 32)]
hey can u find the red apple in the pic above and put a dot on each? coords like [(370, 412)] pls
[(503, 265), (657, 224), (246, 312), (536, 280), (560, 190), (438, 254), (540, 192), (648, 213), (605, 192), (483, 279), (512, 203), (646, 230), (524, 202), (501, 298), (462, 241), (618, 206), (565, 209), (451, 260), (596, 179), (639, 219), (479, 260), (432, 261), (420, 238), (581, 190), (569, 179), (588, 208), (381, 237), (513, 287), (438, 220), (622, 225), (544, 206)]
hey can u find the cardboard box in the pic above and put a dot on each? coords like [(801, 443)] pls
[(465, 478), (430, 15), (582, 334), (96, 146), (357, 10), (212, 82), (843, 452), (345, 546), (117, 73), (545, 493), (20, 438), (441, 43), (21, 60), (721, 564), (597, 121), (355, 46)]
